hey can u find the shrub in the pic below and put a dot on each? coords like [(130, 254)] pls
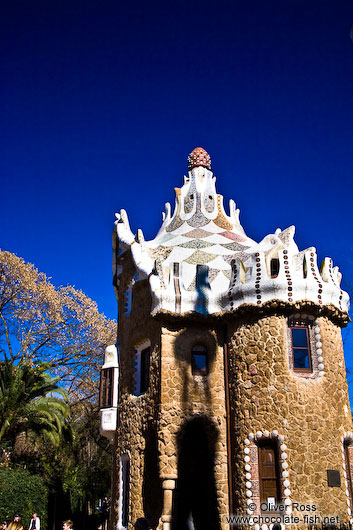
[(23, 493)]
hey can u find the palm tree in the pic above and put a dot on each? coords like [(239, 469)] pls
[(28, 407)]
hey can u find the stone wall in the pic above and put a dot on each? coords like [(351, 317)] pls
[(193, 403), (137, 415), (311, 414)]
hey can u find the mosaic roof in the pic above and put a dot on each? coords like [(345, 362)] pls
[(202, 260)]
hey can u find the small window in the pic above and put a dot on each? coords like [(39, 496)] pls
[(274, 266), (268, 473), (145, 370), (199, 360), (106, 388), (301, 348), (142, 370)]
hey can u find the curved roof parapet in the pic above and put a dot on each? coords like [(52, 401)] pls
[(202, 261)]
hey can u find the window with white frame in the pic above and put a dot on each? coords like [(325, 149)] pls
[(142, 356)]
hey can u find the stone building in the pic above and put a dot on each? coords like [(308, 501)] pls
[(232, 395)]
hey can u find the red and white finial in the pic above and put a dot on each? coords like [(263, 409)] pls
[(199, 157)]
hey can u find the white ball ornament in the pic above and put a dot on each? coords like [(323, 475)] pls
[(287, 502), (319, 351), (258, 434), (284, 456), (249, 512), (266, 434), (247, 441), (286, 483), (283, 447), (248, 476), (246, 450), (275, 434), (251, 436), (246, 458), (264, 527), (287, 492), (247, 467), (248, 493), (285, 474), (284, 465), (320, 359), (281, 438), (248, 484), (321, 367), (318, 344)]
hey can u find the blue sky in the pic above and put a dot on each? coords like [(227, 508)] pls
[(103, 101)]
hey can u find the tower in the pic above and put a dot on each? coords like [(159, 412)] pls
[(232, 390)]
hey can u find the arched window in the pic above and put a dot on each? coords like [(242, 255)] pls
[(199, 361)]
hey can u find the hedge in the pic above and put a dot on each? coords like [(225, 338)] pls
[(23, 493)]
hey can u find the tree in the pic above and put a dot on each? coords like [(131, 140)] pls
[(25, 407), (60, 326), (60, 331), (21, 492)]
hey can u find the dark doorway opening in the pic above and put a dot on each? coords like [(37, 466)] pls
[(195, 495), (152, 485)]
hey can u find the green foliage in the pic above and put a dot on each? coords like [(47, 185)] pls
[(21, 492), (25, 406)]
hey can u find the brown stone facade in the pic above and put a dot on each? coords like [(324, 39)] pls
[(193, 440)]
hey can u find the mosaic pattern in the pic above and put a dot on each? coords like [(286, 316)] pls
[(165, 237), (288, 276), (212, 274), (200, 258), (198, 219), (233, 236), (199, 157), (241, 255), (227, 274), (159, 270), (189, 245), (234, 246), (258, 278), (286, 236), (313, 272), (196, 243), (192, 286), (220, 220), (209, 203), (188, 204), (176, 223), (160, 253), (198, 232), (332, 278)]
